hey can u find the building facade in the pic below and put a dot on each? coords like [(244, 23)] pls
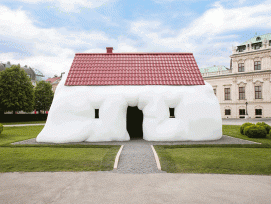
[(54, 82), (245, 88)]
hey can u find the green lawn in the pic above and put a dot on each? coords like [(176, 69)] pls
[(23, 158), (215, 160), (15, 134), (29, 122), (234, 131), (221, 159), (56, 159)]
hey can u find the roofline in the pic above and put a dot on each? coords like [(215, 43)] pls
[(236, 74), (139, 53), (250, 52), (246, 42)]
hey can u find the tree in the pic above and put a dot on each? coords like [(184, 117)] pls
[(43, 96), (16, 90)]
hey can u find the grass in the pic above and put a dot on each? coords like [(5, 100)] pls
[(15, 134), (27, 122), (221, 159), (228, 159), (216, 160), (56, 159), (33, 158), (234, 131)]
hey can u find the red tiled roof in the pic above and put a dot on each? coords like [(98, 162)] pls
[(51, 80), (134, 69)]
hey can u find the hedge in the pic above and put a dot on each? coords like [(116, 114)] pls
[(255, 131), (6, 118)]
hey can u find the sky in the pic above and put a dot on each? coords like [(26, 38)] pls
[(46, 34)]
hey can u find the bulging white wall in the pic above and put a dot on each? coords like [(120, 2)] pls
[(72, 114)]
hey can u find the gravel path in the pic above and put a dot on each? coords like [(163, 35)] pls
[(137, 158)]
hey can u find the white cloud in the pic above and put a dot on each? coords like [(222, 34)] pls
[(71, 5), (219, 19), (51, 50), (124, 47), (210, 36)]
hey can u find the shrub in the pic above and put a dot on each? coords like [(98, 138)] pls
[(1, 128), (243, 127), (255, 131), (266, 126)]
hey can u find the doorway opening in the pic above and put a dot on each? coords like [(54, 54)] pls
[(134, 122)]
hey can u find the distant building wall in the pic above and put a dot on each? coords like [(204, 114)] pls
[(249, 81)]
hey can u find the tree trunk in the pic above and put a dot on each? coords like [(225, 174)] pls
[(14, 112)]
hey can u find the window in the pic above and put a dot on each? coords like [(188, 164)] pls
[(242, 111), (241, 48), (256, 46), (241, 93), (214, 91), (269, 42), (96, 113), (171, 113), (258, 111), (227, 94), (257, 65), (258, 92), (227, 111), (241, 67)]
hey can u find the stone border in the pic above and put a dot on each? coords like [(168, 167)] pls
[(156, 158), (244, 139), (117, 157), (224, 140)]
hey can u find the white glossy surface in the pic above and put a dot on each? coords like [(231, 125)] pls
[(71, 117)]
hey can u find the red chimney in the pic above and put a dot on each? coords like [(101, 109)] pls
[(109, 50)]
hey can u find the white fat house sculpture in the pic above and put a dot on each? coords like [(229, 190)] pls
[(121, 96)]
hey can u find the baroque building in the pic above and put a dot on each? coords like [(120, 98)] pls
[(244, 89)]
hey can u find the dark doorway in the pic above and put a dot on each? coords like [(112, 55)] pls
[(134, 122)]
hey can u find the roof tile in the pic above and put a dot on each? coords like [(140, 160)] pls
[(134, 69)]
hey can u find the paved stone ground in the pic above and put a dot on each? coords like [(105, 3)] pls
[(240, 121), (111, 188)]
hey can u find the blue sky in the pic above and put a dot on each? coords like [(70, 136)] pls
[(45, 34)]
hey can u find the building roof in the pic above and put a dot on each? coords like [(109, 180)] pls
[(52, 80), (2, 67), (134, 69), (213, 69), (37, 72), (32, 72), (29, 72), (257, 39)]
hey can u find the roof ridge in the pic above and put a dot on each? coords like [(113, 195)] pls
[(138, 53), (250, 39)]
